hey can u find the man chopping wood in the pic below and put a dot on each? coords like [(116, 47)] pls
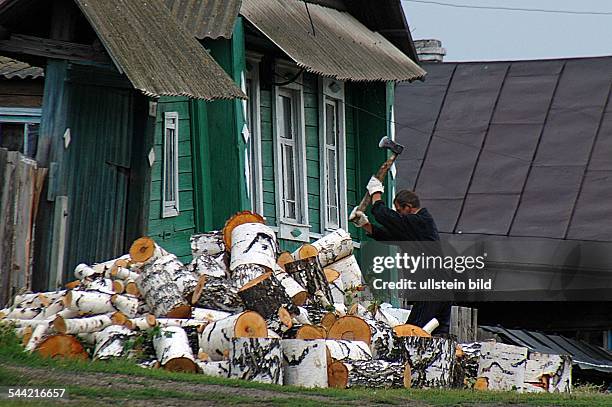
[(408, 222)]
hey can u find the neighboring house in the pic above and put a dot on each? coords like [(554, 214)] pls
[(21, 92), (511, 151)]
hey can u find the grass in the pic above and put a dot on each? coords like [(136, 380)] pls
[(11, 354)]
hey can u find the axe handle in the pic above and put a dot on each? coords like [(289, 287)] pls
[(380, 175)]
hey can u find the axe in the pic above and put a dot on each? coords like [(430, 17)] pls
[(396, 149)]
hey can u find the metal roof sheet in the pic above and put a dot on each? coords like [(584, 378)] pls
[(206, 18), (156, 54), (11, 69), (339, 47)]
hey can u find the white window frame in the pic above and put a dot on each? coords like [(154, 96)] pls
[(332, 91), (170, 207), (297, 229), (254, 144)]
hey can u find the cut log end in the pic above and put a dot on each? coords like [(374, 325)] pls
[(119, 318), (285, 317), (72, 284), (307, 251), (182, 311), (311, 332), (482, 383), (197, 291), (407, 376), (300, 298), (351, 328), (284, 258), (181, 365), (63, 346), (132, 289), (255, 281), (118, 286), (331, 275), (251, 325), (237, 220), (328, 320), (142, 249), (59, 324), (410, 330), (337, 375)]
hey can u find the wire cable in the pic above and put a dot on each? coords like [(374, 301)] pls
[(505, 8)]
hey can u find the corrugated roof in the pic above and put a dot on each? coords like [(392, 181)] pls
[(341, 47), (519, 149), (584, 355), (11, 69), (156, 54), (206, 18)]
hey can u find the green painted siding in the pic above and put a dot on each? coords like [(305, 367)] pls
[(173, 233), (267, 156), (311, 122)]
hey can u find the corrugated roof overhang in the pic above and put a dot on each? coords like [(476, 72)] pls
[(341, 47), (156, 54), (12, 69), (206, 18)]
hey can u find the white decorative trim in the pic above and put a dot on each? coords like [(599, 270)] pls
[(256, 191), (170, 208)]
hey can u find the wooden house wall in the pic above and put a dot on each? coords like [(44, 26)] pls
[(21, 92)]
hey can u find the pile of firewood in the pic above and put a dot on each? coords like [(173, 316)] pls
[(240, 309)]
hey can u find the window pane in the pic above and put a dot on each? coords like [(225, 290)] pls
[(330, 124), (286, 120), (289, 182)]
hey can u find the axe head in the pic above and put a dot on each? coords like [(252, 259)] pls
[(386, 142)]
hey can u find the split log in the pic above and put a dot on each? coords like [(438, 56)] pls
[(237, 220), (126, 304), (265, 295), (207, 265), (305, 251), (216, 369), (111, 342), (294, 290), (216, 293), (351, 328), (91, 302), (333, 247), (381, 315), (503, 366), (83, 325), (161, 293), (215, 338), (369, 373), (63, 346), (548, 373), (349, 270), (336, 286), (400, 314), (204, 314), (309, 274), (257, 359), (145, 250), (431, 360), (39, 333), (348, 350), (304, 362), (245, 273), (208, 244), (253, 243), (173, 351)]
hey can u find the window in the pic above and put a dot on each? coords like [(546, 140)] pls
[(288, 144), (19, 129), (252, 138), (170, 195), (332, 142)]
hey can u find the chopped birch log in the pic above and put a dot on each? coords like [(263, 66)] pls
[(173, 351), (548, 373), (34, 300), (304, 362), (503, 366), (209, 244), (82, 325), (265, 295), (284, 258), (91, 302), (193, 336), (253, 243), (383, 342), (294, 290), (143, 323), (207, 265), (309, 274), (39, 333), (216, 369), (126, 304), (333, 247), (237, 220), (369, 373), (245, 273), (257, 359), (349, 270), (63, 346), (21, 313), (111, 342), (305, 251), (183, 278), (99, 284), (180, 322), (83, 271), (145, 250), (400, 314), (216, 293), (386, 318), (106, 267), (336, 287), (215, 338), (431, 360), (348, 350), (351, 328), (161, 293), (121, 273), (204, 314), (52, 309)]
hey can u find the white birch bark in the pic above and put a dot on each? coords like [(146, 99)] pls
[(209, 265), (127, 304), (503, 366), (216, 336), (257, 359), (349, 270), (110, 342), (304, 362), (376, 374), (207, 244), (171, 344), (348, 350), (253, 243), (91, 302), (548, 373), (204, 314), (216, 369), (38, 335), (82, 325), (333, 247)]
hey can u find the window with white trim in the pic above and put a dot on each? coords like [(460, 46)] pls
[(170, 187), (254, 165), (288, 135), (333, 155)]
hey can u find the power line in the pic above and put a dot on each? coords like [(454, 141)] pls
[(504, 8)]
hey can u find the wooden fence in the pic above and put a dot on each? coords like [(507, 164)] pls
[(21, 184)]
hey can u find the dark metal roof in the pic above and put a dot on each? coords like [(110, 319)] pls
[(511, 148), (206, 18), (12, 69), (584, 355), (154, 52), (341, 47)]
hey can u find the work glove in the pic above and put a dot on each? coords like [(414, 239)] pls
[(358, 218), (374, 186)]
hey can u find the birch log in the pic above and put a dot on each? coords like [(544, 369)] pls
[(63, 346), (349, 270), (384, 341), (352, 328), (173, 350), (304, 362), (161, 293), (257, 359), (91, 302), (207, 265), (348, 350), (253, 243), (204, 314), (180, 322), (369, 373), (99, 284), (215, 338), (122, 273), (333, 247), (83, 271), (502, 366), (183, 278), (548, 373), (127, 304), (82, 325), (216, 293), (145, 250), (143, 323), (111, 342), (39, 333), (294, 290), (265, 295), (336, 286), (309, 274), (216, 369), (245, 273), (21, 313), (431, 360), (209, 244)]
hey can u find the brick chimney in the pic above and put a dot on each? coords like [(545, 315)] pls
[(429, 50)]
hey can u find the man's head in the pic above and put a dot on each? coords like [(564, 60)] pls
[(406, 202)]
